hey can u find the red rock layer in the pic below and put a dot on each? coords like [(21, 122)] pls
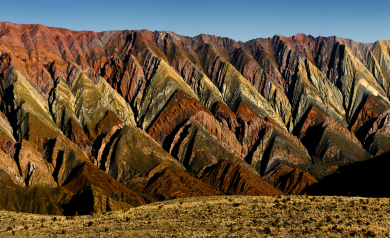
[(244, 112), (38, 133), (107, 123), (177, 184), (44, 52), (251, 133), (64, 156), (316, 118), (86, 138), (126, 76), (87, 174), (370, 110), (232, 178), (179, 108), (380, 122), (210, 124), (223, 114), (252, 71), (377, 139), (290, 180), (323, 52), (77, 135), (6, 144)]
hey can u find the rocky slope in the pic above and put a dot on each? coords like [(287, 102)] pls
[(124, 118)]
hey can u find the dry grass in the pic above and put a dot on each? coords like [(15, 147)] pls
[(222, 216)]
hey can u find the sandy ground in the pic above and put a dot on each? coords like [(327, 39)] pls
[(222, 216)]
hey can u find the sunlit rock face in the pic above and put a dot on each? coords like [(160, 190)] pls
[(123, 118)]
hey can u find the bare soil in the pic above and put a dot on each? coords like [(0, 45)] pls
[(220, 216)]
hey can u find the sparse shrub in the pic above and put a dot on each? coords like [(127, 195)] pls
[(26, 227), (276, 223), (305, 221), (42, 226), (90, 223), (127, 219), (54, 219), (63, 231), (43, 220), (267, 230), (9, 228), (307, 230), (106, 229), (236, 204), (13, 233), (370, 233)]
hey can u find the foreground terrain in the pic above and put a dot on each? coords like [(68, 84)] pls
[(220, 216)]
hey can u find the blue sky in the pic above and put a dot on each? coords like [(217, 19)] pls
[(362, 21)]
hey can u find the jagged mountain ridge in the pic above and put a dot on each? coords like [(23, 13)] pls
[(148, 107)]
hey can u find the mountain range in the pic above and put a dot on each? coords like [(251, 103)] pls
[(94, 122)]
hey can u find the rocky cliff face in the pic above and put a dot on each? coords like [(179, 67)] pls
[(121, 118), (376, 140), (231, 178), (171, 183), (290, 180), (329, 142)]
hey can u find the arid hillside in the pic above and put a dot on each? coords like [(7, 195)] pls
[(95, 122)]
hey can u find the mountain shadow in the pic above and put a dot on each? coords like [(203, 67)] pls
[(365, 179)]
